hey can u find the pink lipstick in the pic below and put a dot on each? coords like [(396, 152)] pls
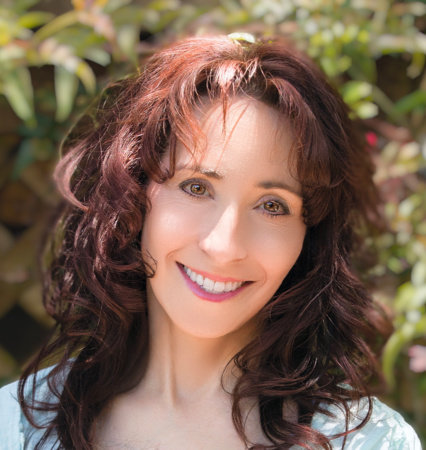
[(211, 296)]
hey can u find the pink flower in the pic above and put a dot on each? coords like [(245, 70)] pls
[(417, 354), (371, 138)]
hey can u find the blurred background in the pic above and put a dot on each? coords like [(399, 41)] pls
[(57, 55)]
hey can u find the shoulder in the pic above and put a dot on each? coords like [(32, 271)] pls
[(15, 430), (11, 433), (386, 429)]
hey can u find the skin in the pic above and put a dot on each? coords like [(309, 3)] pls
[(232, 211)]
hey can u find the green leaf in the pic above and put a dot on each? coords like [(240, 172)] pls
[(10, 29), (164, 5), (66, 84), (414, 100), (366, 110), (86, 75), (97, 55), (399, 339), (113, 5), (363, 63), (18, 89), (56, 25), (24, 158), (404, 296), (21, 5), (353, 91), (34, 19), (418, 274), (127, 39), (64, 56)]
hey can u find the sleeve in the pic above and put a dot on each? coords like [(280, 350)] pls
[(16, 433), (11, 432), (385, 430)]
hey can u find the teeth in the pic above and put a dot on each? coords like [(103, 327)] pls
[(208, 284), (219, 286), (211, 286)]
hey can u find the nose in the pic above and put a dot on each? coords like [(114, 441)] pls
[(223, 239)]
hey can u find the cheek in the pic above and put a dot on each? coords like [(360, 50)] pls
[(280, 249), (166, 226)]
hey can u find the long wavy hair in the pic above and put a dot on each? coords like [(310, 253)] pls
[(319, 333)]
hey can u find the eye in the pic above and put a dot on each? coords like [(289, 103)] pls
[(275, 208), (194, 188)]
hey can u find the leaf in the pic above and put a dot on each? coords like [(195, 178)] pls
[(366, 110), (127, 39), (64, 56), (86, 75), (396, 342), (353, 91), (24, 159), (113, 5), (418, 274), (34, 19), (22, 5), (18, 89), (404, 296), (66, 84), (162, 5), (97, 55), (414, 100), (11, 30), (56, 25), (363, 63)]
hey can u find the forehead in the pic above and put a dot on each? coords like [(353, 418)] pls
[(243, 123), (250, 143)]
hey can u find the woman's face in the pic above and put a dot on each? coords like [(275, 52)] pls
[(227, 228)]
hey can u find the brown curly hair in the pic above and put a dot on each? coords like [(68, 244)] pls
[(319, 331)]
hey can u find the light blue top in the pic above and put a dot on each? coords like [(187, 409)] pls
[(386, 429)]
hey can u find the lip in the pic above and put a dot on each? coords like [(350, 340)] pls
[(201, 293), (213, 277)]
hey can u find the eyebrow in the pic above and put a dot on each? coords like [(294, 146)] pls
[(211, 173), (279, 185)]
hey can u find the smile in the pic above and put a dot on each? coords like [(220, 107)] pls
[(207, 288), (214, 287)]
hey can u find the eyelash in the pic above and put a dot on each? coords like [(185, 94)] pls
[(188, 183), (186, 186), (285, 211)]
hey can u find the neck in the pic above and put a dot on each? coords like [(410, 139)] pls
[(183, 368)]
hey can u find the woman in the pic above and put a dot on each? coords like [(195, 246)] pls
[(200, 272)]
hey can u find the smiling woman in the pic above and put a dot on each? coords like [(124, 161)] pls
[(200, 270), (227, 225)]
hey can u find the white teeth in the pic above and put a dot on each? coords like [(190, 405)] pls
[(208, 284), (229, 286), (219, 286), (211, 286)]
